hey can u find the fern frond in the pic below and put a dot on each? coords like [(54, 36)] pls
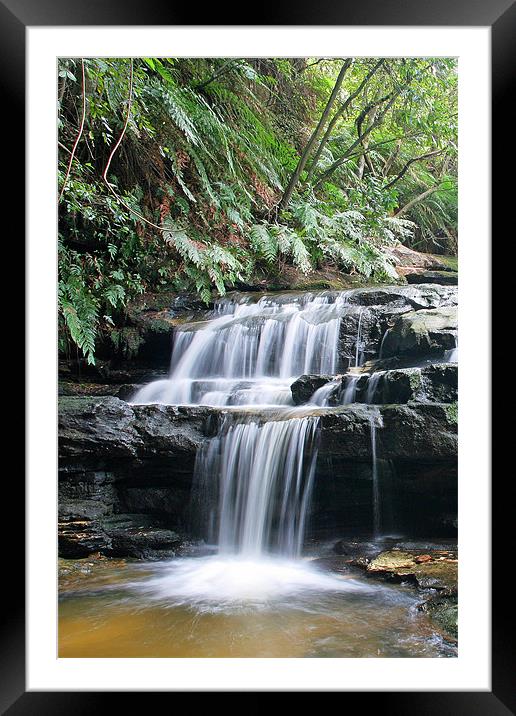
[(263, 242)]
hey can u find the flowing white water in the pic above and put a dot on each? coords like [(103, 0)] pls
[(372, 384), (250, 353), (253, 480), (350, 390), (374, 420), (322, 395), (359, 346), (228, 583), (264, 474), (252, 488), (452, 355)]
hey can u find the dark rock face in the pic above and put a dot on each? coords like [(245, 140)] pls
[(422, 333), (122, 535), (98, 427), (123, 391), (118, 460), (425, 430), (373, 311), (409, 297), (448, 278), (432, 383), (106, 427), (415, 498)]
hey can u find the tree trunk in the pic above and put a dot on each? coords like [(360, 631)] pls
[(363, 157), (337, 116), (360, 139), (416, 200), (392, 158), (315, 135)]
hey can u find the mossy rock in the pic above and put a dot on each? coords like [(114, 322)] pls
[(422, 333)]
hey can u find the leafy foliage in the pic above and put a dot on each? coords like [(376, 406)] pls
[(196, 184)]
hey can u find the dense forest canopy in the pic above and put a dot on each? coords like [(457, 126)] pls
[(207, 174)]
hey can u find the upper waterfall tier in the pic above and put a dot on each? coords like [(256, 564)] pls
[(247, 352), (264, 339)]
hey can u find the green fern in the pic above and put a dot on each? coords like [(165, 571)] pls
[(263, 242)]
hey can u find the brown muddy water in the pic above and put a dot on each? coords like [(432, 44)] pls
[(231, 607)]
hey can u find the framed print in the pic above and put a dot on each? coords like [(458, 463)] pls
[(253, 463)]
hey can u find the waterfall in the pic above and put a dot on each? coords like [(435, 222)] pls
[(350, 391), (380, 351), (358, 345), (322, 395), (372, 384), (249, 353), (373, 418), (253, 480), (452, 355), (264, 475)]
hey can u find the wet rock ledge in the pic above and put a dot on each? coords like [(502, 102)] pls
[(125, 471), (102, 429)]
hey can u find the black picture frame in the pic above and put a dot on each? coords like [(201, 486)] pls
[(15, 16)]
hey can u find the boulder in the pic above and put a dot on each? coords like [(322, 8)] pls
[(428, 570), (404, 257), (444, 611), (422, 333), (305, 386), (369, 313), (449, 278), (424, 431), (432, 383), (104, 428), (365, 325), (97, 427)]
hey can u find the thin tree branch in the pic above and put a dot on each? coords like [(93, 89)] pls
[(392, 157), (417, 199), (409, 164), (360, 139), (377, 121), (221, 71), (79, 134), (104, 173), (321, 59)]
